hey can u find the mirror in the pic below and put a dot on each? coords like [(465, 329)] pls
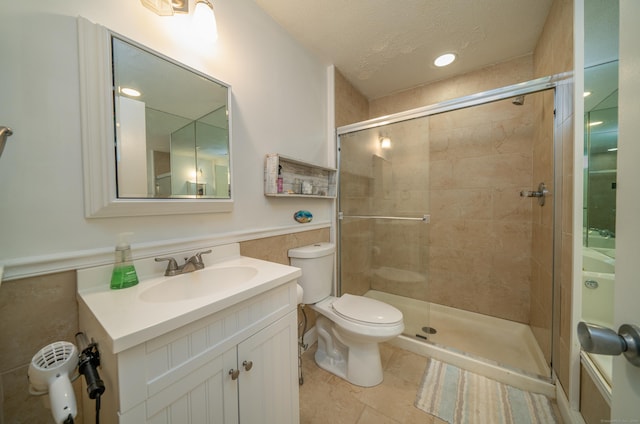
[(601, 145), (172, 138), (172, 133)]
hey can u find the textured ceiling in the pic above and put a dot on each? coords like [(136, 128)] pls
[(385, 46)]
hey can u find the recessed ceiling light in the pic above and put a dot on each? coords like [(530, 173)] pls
[(613, 149), (594, 123), (586, 93), (130, 92), (444, 60)]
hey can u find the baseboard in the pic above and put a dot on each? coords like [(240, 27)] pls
[(569, 416)]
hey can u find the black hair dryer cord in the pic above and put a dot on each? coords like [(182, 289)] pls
[(88, 364)]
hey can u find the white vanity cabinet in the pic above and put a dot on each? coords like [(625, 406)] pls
[(236, 365)]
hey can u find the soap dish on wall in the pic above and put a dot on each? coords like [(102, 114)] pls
[(303, 216)]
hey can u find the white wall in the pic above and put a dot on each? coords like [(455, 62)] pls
[(280, 104)]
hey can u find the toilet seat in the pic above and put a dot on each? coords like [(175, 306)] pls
[(366, 310)]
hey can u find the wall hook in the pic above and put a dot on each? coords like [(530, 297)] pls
[(4, 133)]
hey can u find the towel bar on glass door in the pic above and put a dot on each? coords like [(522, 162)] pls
[(424, 218)]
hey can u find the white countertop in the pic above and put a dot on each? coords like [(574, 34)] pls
[(129, 320)]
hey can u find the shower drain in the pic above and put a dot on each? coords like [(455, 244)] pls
[(426, 330)]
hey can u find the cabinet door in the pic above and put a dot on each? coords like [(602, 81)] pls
[(206, 395), (269, 389)]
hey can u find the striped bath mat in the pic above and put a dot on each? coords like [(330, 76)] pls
[(462, 397)]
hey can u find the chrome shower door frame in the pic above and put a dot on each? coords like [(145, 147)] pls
[(507, 92)]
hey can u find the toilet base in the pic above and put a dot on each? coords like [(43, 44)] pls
[(357, 362)]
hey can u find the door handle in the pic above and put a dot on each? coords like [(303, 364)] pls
[(605, 341)]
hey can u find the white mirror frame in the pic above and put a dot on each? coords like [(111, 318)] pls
[(98, 153)]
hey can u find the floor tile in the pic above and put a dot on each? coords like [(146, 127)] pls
[(326, 398)]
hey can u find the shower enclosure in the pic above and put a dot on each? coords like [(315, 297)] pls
[(439, 215)]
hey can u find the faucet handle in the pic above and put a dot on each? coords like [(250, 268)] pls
[(172, 266), (198, 256), (197, 259)]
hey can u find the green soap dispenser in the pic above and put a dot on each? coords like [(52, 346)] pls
[(124, 273)]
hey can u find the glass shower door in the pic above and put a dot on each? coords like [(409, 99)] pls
[(383, 225)]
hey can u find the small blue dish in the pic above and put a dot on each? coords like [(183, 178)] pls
[(303, 216)]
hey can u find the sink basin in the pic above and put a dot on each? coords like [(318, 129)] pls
[(193, 285)]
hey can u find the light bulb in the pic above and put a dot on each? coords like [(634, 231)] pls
[(205, 20), (131, 92)]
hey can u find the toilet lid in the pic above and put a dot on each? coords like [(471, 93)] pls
[(364, 309)]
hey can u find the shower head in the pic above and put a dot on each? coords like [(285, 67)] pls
[(518, 101)]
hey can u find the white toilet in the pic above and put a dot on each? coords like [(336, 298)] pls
[(349, 327)]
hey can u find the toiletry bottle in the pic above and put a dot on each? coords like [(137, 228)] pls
[(124, 273), (280, 189)]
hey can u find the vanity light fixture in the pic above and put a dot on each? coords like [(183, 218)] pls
[(385, 142), (444, 60), (166, 7), (205, 20)]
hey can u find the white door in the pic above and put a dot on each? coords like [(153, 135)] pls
[(626, 377)]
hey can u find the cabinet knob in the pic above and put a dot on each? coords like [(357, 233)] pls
[(234, 374), (247, 365)]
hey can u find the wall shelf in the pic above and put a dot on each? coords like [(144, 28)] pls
[(299, 179)]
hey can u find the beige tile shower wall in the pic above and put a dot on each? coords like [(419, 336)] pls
[(480, 244), (357, 253), (401, 189), (350, 105), (385, 254)]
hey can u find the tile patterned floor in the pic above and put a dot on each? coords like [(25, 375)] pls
[(325, 398)]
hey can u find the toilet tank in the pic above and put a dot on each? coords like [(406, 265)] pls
[(316, 262)]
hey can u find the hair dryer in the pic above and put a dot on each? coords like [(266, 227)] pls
[(49, 372)]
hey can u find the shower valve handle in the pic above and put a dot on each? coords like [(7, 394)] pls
[(540, 194)]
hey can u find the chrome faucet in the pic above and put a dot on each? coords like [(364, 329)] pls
[(191, 264)]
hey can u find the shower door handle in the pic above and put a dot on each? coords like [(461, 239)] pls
[(540, 194), (605, 341)]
